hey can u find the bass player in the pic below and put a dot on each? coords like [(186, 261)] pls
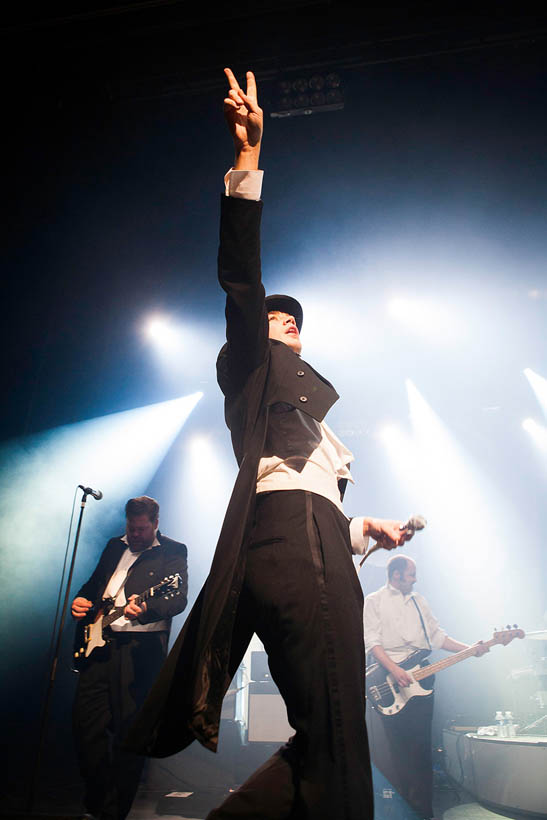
[(398, 621)]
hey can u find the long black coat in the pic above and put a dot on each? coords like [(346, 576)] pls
[(254, 373)]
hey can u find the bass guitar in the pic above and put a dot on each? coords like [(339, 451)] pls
[(90, 630), (383, 691)]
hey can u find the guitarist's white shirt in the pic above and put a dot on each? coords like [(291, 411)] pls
[(115, 587), (392, 621)]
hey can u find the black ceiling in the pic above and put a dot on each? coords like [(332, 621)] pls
[(71, 51)]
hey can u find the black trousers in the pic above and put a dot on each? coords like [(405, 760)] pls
[(302, 595), (401, 748), (111, 688)]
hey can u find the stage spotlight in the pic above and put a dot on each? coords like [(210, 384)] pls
[(537, 431), (161, 331), (539, 386), (304, 95)]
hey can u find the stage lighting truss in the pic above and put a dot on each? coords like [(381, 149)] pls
[(298, 96)]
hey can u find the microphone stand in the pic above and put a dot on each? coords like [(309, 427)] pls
[(46, 705)]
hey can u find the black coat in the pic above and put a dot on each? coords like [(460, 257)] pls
[(150, 568), (253, 373)]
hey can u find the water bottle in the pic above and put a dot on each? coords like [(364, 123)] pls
[(502, 728), (510, 728)]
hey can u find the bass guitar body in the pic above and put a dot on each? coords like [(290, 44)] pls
[(389, 698), (385, 694)]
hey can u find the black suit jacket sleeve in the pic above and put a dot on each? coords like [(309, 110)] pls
[(173, 561), (239, 273)]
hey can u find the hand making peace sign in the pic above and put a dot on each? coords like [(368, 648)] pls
[(244, 117)]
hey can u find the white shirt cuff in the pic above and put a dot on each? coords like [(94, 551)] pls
[(359, 542), (243, 184)]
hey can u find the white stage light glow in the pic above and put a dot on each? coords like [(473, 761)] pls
[(539, 386), (538, 433), (425, 318), (185, 352), (118, 454), (399, 445), (200, 487), (165, 334), (467, 522), (459, 495), (211, 474)]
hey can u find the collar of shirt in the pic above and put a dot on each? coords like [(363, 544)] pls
[(155, 543), (395, 591)]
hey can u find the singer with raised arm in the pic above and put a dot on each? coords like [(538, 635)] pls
[(283, 564), (142, 576), (399, 628)]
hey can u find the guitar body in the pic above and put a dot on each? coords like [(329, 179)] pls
[(384, 693), (89, 636), (90, 630), (94, 636)]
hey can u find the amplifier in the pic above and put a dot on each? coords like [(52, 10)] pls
[(268, 719)]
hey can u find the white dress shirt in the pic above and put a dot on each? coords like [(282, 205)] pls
[(392, 622), (291, 429), (115, 587)]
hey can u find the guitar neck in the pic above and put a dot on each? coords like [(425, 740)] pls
[(433, 668), (118, 611)]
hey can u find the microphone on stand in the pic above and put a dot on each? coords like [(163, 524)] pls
[(97, 494)]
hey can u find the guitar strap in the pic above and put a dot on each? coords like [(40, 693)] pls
[(422, 623)]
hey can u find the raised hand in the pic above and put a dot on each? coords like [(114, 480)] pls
[(245, 119)]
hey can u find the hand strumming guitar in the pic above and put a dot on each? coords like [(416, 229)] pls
[(80, 607)]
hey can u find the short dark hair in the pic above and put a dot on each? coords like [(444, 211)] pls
[(143, 505), (398, 563)]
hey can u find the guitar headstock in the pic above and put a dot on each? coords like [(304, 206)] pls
[(505, 636), (172, 581), (170, 585)]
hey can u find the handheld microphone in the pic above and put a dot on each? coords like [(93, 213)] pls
[(97, 494), (414, 523)]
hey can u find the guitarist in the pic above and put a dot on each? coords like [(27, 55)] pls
[(115, 679), (398, 621)]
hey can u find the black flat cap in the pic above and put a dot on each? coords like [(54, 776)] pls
[(286, 304)]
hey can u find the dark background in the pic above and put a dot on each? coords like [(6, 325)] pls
[(430, 182)]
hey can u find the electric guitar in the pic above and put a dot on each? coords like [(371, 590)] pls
[(90, 630), (383, 691)]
